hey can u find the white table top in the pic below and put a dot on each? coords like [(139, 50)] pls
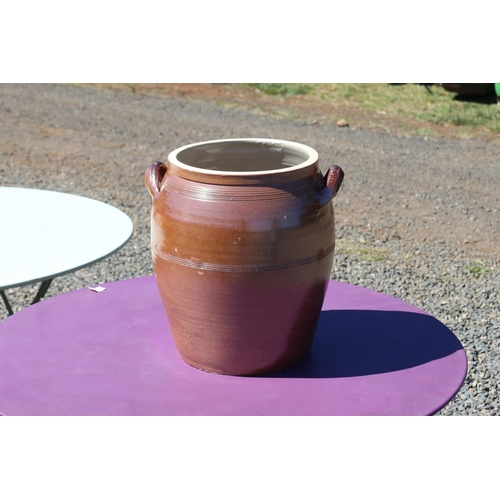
[(45, 234)]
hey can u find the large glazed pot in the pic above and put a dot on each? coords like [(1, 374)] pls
[(243, 236)]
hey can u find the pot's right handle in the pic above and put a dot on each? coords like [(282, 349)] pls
[(153, 176), (334, 178)]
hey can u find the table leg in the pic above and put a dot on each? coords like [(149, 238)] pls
[(39, 296), (6, 302), (42, 291)]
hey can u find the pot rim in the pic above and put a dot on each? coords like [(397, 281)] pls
[(311, 160)]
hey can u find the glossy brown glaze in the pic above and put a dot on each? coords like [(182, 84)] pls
[(243, 237)]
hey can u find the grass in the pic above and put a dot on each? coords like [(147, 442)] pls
[(362, 249), (478, 268), (438, 106)]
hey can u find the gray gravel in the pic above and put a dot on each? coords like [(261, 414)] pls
[(415, 217)]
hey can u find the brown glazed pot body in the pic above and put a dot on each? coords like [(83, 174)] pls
[(243, 236)]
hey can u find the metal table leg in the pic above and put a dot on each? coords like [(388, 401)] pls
[(6, 302), (42, 291), (39, 296)]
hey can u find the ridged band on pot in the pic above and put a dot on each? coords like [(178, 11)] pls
[(243, 238)]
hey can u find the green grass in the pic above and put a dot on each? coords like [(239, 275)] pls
[(477, 268), (438, 107), (463, 113)]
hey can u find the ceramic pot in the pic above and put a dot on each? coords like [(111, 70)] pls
[(242, 237)]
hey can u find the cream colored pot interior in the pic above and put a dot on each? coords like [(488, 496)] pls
[(257, 155)]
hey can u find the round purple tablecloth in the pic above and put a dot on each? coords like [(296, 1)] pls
[(111, 353)]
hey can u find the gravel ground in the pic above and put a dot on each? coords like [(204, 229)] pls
[(417, 218)]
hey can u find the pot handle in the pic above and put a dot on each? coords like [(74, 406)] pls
[(334, 178), (153, 176)]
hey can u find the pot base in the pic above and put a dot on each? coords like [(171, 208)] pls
[(257, 373)]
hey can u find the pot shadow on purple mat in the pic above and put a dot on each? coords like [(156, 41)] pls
[(350, 343)]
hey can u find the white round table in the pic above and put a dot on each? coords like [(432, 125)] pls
[(45, 234)]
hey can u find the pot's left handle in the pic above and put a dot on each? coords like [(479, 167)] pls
[(153, 176)]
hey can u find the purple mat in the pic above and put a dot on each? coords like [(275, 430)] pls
[(111, 353)]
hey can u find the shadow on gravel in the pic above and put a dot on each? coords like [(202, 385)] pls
[(352, 343)]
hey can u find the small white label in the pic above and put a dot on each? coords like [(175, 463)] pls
[(97, 289)]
